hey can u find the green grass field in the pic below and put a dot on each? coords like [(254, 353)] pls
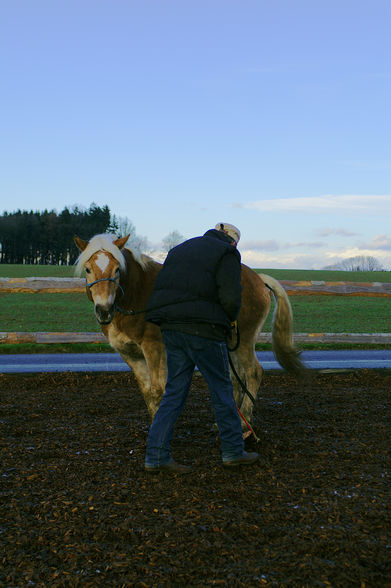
[(327, 276), (41, 271), (36, 271), (312, 314), (46, 312)]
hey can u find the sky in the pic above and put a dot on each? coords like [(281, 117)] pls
[(272, 115)]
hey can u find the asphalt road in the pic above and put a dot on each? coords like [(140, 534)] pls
[(112, 362)]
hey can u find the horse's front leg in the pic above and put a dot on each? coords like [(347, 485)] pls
[(155, 356), (133, 355)]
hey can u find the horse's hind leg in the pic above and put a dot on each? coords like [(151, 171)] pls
[(250, 372), (254, 378)]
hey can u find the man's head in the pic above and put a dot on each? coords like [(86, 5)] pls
[(230, 230)]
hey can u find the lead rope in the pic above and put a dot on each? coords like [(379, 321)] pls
[(130, 312), (248, 393), (257, 439), (244, 388)]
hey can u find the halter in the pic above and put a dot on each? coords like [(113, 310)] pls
[(117, 308), (114, 280)]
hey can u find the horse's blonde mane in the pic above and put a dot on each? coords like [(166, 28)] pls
[(141, 258), (105, 242)]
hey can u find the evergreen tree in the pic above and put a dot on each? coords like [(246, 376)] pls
[(47, 237)]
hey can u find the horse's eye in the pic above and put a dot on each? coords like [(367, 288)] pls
[(88, 271)]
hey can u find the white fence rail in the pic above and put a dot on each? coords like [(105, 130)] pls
[(348, 338), (303, 287), (34, 285)]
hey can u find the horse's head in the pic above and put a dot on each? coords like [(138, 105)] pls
[(102, 260)]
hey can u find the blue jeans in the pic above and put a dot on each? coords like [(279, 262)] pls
[(184, 352)]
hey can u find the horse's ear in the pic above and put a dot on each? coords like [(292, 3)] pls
[(80, 243), (121, 242)]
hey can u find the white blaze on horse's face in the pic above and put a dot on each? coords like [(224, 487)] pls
[(102, 266), (102, 261)]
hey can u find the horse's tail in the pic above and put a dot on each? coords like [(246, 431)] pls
[(282, 330)]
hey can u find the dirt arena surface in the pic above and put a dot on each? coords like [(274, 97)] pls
[(78, 509)]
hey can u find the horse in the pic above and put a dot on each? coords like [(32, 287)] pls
[(119, 282)]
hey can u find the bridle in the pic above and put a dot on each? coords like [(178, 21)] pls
[(116, 307), (114, 280)]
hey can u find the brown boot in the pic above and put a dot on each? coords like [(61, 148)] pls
[(244, 459)]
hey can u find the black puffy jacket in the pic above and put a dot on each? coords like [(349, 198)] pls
[(198, 289)]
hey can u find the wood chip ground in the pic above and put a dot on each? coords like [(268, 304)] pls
[(78, 509)]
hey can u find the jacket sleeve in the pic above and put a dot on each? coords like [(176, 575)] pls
[(228, 279)]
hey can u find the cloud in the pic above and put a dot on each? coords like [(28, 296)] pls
[(346, 204), (309, 245), (272, 245), (378, 243), (326, 232), (287, 260), (382, 255), (257, 259), (269, 245)]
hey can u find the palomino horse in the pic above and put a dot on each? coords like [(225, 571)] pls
[(119, 283)]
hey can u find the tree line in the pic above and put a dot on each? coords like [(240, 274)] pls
[(33, 237), (45, 238), (359, 263)]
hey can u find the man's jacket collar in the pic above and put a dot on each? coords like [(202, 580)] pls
[(218, 235)]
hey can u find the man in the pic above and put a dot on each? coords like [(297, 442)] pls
[(196, 297)]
